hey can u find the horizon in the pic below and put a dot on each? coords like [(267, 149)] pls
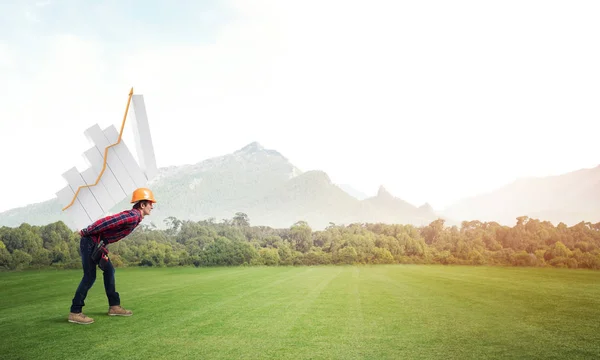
[(341, 185), (448, 100)]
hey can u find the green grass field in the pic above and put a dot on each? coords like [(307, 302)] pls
[(351, 312)]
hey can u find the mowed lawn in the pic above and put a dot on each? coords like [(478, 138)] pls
[(336, 312)]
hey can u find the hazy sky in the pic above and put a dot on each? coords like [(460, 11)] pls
[(436, 100)]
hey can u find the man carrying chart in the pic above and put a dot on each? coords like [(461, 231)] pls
[(92, 246)]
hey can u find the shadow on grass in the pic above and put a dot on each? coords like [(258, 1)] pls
[(64, 320), (96, 315)]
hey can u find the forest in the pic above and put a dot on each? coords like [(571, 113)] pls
[(235, 242)]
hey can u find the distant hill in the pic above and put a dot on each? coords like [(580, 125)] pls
[(34, 214), (259, 182), (569, 198)]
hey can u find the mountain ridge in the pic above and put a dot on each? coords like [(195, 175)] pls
[(260, 182), (272, 191), (569, 198)]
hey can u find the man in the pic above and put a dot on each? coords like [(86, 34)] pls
[(107, 230)]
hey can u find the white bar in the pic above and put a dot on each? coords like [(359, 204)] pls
[(95, 160), (75, 212), (88, 201), (99, 191), (97, 137), (143, 139), (112, 136)]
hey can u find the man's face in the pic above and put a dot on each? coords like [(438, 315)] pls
[(147, 208)]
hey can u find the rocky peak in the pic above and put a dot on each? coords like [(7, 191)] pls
[(426, 207), (383, 193), (251, 148), (318, 176)]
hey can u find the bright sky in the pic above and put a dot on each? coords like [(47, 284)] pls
[(436, 100)]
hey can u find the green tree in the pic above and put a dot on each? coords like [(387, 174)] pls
[(301, 235), (20, 260), (5, 256), (173, 225), (241, 219), (269, 256)]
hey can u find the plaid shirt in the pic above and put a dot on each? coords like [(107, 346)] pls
[(114, 227)]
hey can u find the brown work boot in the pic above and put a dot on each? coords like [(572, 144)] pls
[(80, 318), (119, 311)]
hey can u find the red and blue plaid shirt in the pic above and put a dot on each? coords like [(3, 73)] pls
[(113, 227)]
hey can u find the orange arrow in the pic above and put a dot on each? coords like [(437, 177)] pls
[(105, 153)]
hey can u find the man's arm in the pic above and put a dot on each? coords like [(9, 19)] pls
[(109, 222)]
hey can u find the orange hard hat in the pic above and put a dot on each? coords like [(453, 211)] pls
[(142, 194)]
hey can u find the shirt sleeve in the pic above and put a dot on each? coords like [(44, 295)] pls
[(109, 223)]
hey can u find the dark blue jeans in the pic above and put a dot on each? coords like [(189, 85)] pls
[(86, 246)]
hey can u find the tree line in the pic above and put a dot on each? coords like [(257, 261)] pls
[(234, 242)]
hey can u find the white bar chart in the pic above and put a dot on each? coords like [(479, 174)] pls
[(93, 192)]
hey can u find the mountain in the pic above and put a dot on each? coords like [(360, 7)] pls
[(259, 182), (357, 194), (41, 213), (569, 198), (387, 208)]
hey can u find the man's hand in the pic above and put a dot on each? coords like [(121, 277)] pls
[(103, 262)]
